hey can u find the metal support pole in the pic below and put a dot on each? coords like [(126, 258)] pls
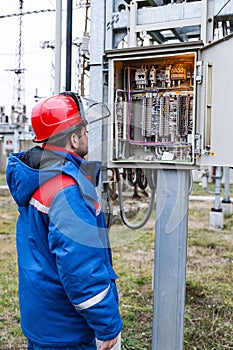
[(226, 202), (218, 179), (170, 259), (209, 22), (226, 196), (58, 42), (96, 80), (204, 22), (69, 44), (98, 138), (132, 23), (216, 215)]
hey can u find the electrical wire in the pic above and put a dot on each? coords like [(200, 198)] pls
[(222, 8), (132, 178), (122, 212), (27, 13), (141, 179), (109, 209), (151, 175)]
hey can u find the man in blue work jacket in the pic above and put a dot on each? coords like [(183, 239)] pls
[(67, 290)]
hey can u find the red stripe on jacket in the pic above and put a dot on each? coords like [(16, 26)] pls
[(45, 193)]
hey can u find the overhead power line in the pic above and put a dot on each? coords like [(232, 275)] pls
[(223, 7), (27, 13)]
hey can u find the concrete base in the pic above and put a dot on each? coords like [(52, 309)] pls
[(226, 208), (216, 219)]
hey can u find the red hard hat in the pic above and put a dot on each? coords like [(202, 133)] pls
[(56, 114)]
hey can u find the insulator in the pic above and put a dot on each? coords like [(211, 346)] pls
[(85, 44)]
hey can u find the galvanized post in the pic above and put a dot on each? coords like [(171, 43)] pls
[(69, 20), (58, 43), (216, 214), (226, 196), (132, 23), (226, 202), (97, 134), (171, 231)]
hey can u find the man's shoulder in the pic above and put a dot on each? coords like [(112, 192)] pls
[(44, 195)]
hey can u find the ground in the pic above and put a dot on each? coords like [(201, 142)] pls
[(209, 302)]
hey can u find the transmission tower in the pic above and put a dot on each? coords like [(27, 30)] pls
[(18, 108)]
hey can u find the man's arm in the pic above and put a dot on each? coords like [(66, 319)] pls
[(87, 278)]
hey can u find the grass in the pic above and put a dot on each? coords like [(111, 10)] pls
[(2, 180), (197, 189), (209, 303)]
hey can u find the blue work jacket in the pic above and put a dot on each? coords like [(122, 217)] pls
[(67, 290)]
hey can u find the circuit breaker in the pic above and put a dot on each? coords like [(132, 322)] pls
[(162, 105)]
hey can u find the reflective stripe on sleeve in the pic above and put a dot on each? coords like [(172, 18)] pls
[(92, 301), (39, 206)]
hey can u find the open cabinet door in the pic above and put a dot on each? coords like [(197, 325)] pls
[(215, 103)]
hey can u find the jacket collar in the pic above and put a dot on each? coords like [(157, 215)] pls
[(90, 169)]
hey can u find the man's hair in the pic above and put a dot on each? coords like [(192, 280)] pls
[(61, 139)]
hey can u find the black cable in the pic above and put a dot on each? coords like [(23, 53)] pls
[(222, 8), (109, 209), (122, 211), (26, 13), (141, 179), (132, 178), (151, 175)]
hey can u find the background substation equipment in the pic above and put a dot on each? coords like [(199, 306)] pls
[(171, 105)]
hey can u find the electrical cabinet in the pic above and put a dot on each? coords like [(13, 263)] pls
[(166, 105)]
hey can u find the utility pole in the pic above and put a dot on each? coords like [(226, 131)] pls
[(58, 44), (69, 20)]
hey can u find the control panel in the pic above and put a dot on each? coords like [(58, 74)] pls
[(171, 106), (153, 109)]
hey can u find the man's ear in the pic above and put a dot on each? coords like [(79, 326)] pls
[(74, 140)]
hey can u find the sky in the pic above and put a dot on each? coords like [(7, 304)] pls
[(37, 62)]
